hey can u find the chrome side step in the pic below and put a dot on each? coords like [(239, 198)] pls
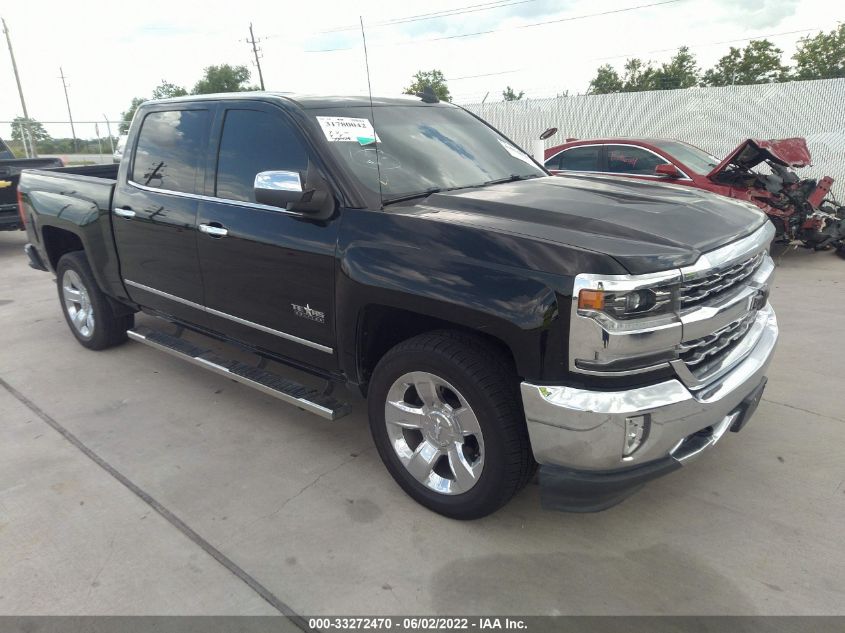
[(267, 382)]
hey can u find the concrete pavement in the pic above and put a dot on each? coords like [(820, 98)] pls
[(305, 511)]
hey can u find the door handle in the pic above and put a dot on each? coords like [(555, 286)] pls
[(214, 231), (124, 212)]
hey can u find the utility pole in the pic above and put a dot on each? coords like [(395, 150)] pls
[(255, 51), (108, 127), (33, 153), (72, 131)]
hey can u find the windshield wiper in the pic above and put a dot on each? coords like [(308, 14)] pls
[(511, 178), (411, 196)]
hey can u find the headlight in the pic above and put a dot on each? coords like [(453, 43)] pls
[(633, 304), (624, 323)]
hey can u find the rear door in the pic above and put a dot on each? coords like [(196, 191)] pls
[(269, 281), (155, 210)]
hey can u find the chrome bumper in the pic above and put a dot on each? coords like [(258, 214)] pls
[(584, 430)]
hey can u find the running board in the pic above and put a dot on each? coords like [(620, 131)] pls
[(305, 398)]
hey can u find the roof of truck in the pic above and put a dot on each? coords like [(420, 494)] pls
[(309, 101)]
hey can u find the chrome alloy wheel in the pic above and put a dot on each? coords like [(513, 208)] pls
[(78, 304), (434, 432)]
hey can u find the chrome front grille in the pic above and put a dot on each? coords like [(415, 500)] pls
[(719, 281), (699, 353)]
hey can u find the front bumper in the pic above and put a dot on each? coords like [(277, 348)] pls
[(578, 435)]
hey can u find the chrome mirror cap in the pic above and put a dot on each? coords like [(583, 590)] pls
[(279, 181), (278, 188)]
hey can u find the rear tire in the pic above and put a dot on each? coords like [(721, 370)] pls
[(459, 444), (88, 312)]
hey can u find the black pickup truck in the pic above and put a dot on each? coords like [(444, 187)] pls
[(10, 172), (495, 317)]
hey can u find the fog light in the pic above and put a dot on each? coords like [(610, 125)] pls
[(636, 430)]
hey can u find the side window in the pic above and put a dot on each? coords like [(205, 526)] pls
[(627, 159), (170, 149), (579, 159), (254, 141)]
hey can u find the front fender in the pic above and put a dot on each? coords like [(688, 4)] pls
[(486, 281)]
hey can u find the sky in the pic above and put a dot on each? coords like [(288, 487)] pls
[(114, 51)]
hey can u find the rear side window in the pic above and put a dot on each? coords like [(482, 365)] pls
[(254, 141), (576, 159), (627, 159), (170, 149)]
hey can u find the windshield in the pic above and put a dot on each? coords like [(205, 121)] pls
[(693, 157), (421, 148)]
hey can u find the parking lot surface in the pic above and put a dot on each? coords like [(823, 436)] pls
[(134, 483)]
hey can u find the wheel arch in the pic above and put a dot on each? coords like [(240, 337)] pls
[(382, 327)]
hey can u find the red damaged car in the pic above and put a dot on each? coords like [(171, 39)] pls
[(800, 208)]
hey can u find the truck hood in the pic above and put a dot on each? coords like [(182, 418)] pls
[(644, 226), (789, 152)]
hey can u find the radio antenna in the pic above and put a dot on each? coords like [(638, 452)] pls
[(372, 113)]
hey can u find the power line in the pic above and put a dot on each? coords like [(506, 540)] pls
[(255, 51), (674, 48), (472, 8), (510, 28), (662, 50), (504, 72)]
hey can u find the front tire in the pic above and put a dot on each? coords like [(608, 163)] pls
[(446, 417), (86, 309)]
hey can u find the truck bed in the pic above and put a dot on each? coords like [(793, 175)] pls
[(94, 183)]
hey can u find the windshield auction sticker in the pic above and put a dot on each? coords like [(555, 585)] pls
[(341, 128)]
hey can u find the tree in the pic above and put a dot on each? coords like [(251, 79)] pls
[(165, 90), (126, 117), (433, 78), (19, 124), (508, 94), (639, 76), (821, 56), (606, 81), (223, 78), (757, 63), (680, 72)]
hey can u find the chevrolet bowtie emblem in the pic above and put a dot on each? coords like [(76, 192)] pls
[(5, 183)]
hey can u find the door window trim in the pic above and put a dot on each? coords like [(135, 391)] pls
[(198, 196)]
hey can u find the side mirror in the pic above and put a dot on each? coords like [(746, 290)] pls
[(667, 170), (278, 188), (548, 133)]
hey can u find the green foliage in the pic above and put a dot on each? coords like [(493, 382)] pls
[(679, 72), (606, 81), (166, 90), (36, 131), (433, 78), (821, 56), (126, 117), (223, 78), (757, 63), (508, 94)]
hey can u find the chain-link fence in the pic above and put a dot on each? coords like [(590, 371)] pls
[(715, 119), (94, 141)]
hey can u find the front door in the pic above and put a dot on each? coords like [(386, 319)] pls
[(268, 273), (155, 209)]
